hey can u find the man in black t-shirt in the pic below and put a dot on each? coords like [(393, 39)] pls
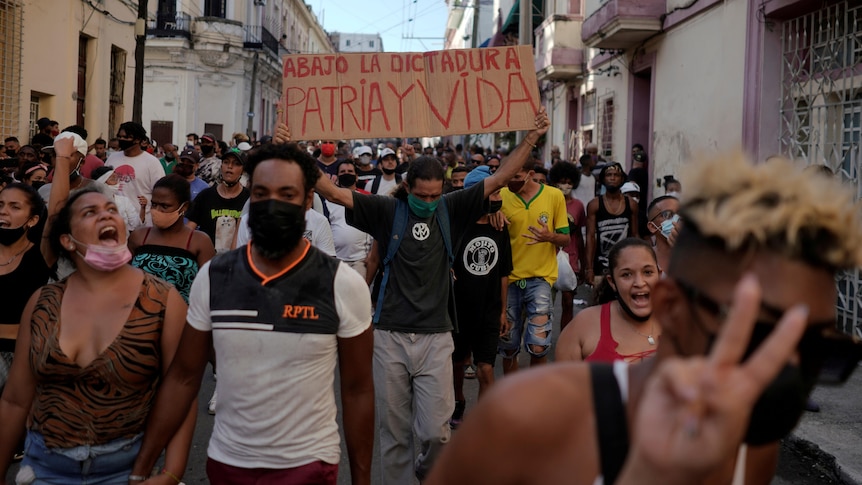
[(412, 339), (217, 210), (483, 262), (365, 172), (328, 160), (43, 138)]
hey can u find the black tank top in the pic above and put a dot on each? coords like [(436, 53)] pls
[(610, 229)]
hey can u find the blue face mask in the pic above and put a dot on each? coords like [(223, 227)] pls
[(667, 225), (421, 208)]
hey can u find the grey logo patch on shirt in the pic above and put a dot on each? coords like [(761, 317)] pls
[(421, 231)]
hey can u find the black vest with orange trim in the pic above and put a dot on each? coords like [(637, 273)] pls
[(299, 299)]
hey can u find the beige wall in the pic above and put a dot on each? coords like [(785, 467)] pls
[(557, 106), (699, 82), (50, 58), (606, 87)]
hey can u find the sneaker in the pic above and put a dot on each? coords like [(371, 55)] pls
[(469, 371), (212, 404), (458, 414)]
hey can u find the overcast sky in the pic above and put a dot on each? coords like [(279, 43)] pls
[(389, 18)]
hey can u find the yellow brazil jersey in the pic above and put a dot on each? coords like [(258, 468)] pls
[(536, 260)]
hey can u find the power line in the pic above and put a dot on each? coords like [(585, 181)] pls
[(426, 11)]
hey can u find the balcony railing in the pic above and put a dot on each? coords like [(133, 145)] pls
[(258, 37), (620, 24), (171, 25), (559, 50)]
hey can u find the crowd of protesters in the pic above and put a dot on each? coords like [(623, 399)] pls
[(128, 267)]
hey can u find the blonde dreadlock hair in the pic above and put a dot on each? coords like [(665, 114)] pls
[(804, 215)]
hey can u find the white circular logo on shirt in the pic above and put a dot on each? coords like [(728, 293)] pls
[(481, 256), (421, 231)]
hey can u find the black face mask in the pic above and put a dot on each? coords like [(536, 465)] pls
[(207, 149), (515, 186), (611, 189), (10, 236), (276, 226), (10, 153), (170, 158), (387, 171), (493, 206), (38, 184), (782, 403), (126, 144), (346, 180)]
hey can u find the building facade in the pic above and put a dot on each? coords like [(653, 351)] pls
[(345, 42), (215, 65), (70, 61)]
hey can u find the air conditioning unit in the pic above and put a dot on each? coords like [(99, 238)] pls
[(260, 3)]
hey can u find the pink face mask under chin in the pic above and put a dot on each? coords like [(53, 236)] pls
[(104, 258)]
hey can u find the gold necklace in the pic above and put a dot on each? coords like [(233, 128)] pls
[(616, 209), (19, 253)]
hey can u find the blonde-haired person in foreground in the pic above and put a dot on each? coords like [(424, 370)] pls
[(748, 317)]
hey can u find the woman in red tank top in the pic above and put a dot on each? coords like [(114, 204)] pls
[(621, 326)]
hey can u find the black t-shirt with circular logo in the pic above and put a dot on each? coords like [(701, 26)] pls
[(482, 260)]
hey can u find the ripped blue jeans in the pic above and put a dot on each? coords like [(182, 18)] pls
[(528, 299), (106, 464)]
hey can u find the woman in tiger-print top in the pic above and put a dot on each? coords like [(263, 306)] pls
[(90, 353)]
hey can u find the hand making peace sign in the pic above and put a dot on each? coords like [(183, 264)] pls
[(695, 411)]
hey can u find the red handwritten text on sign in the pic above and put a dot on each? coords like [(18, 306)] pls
[(410, 94)]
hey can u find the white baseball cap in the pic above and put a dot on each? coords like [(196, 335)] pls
[(361, 150), (79, 142), (244, 146), (387, 151), (629, 187)]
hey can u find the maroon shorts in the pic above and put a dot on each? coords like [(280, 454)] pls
[(315, 473)]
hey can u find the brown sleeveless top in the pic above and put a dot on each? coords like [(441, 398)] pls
[(109, 398)]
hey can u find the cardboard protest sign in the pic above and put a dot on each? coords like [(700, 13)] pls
[(409, 94)]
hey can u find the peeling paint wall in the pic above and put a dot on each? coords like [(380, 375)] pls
[(699, 84)]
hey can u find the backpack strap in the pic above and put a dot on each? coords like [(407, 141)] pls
[(375, 184), (325, 208), (399, 226), (611, 421), (446, 229)]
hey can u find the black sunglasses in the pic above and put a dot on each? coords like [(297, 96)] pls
[(837, 353)]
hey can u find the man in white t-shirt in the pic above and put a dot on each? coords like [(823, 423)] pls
[(384, 184), (280, 315), (586, 189), (136, 170)]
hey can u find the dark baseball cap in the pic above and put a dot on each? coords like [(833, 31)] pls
[(191, 154)]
